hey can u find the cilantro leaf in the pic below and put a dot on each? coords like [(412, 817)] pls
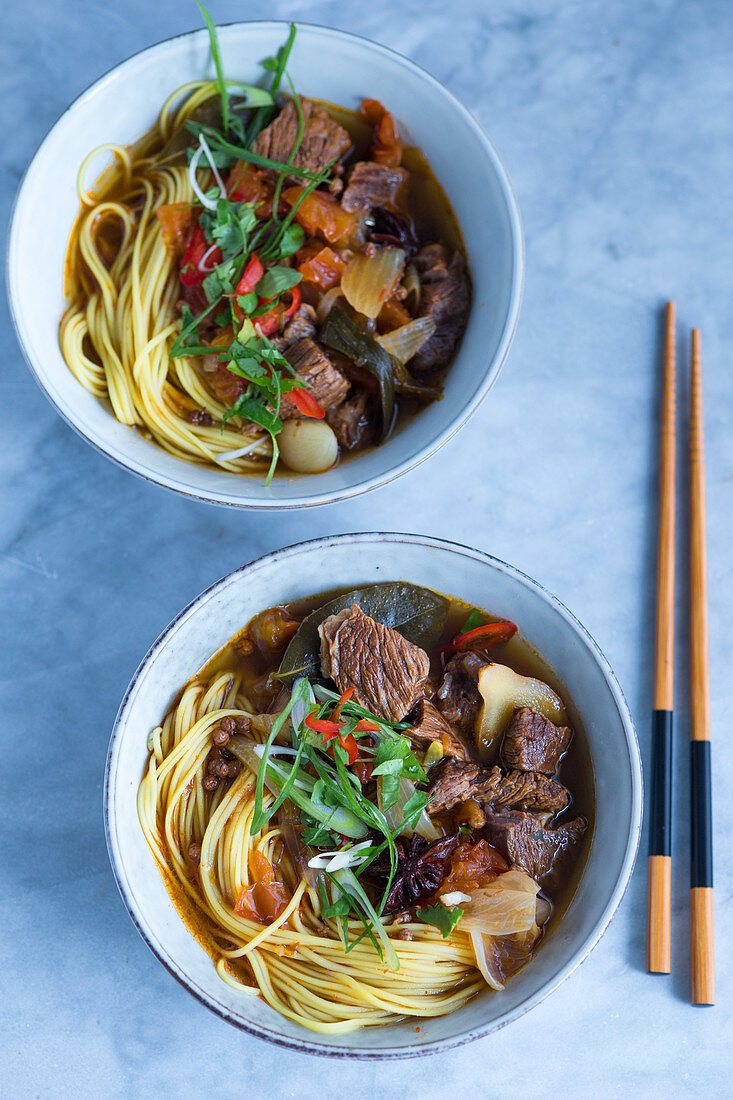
[(276, 281), (441, 918), (474, 619)]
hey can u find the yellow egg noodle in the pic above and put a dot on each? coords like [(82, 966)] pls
[(118, 326), (297, 964)]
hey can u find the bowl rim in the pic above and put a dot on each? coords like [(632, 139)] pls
[(311, 1045), (179, 485)]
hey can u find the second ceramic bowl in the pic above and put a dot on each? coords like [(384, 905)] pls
[(344, 561)]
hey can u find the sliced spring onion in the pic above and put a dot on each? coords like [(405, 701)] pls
[(349, 884)]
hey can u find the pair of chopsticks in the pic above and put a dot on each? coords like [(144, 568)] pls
[(660, 861)]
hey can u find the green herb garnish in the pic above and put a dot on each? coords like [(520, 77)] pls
[(440, 917)]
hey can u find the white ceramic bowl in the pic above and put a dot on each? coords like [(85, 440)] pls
[(345, 560), (326, 64)]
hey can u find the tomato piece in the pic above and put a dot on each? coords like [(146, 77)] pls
[(247, 183), (324, 269), (386, 145), (175, 225), (321, 214), (473, 866), (266, 897), (392, 315)]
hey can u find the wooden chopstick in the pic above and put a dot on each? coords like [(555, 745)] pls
[(701, 893), (660, 855)]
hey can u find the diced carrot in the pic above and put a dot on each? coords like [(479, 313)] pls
[(321, 214), (175, 225), (324, 269)]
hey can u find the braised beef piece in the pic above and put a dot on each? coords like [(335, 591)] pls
[(390, 228), (355, 422), (387, 671), (532, 847), (300, 325), (325, 382), (453, 781), (371, 185), (323, 139), (458, 697), (444, 296), (421, 867), (533, 743), (428, 724)]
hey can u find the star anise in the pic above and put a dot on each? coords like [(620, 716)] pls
[(421, 867)]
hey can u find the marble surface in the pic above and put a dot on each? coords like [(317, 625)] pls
[(614, 121)]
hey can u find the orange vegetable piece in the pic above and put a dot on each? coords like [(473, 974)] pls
[(392, 315), (321, 214), (386, 145), (247, 183), (473, 866), (266, 897), (175, 225), (324, 269)]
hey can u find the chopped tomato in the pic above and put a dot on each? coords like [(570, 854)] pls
[(247, 183), (363, 769), (386, 145), (324, 269), (320, 213), (306, 404), (175, 226), (473, 866), (195, 268), (226, 386), (266, 897)]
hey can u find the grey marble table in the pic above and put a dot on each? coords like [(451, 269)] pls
[(614, 120)]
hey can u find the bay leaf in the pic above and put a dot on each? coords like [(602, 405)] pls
[(418, 614)]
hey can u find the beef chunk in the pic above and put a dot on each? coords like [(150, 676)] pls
[(452, 781), (525, 841), (458, 697), (323, 139), (328, 385), (444, 296), (428, 724), (387, 671), (355, 422), (301, 324), (372, 185), (533, 743)]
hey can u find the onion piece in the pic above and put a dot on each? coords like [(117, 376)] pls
[(404, 342), (486, 960), (411, 283), (369, 281), (299, 853), (506, 906), (329, 299)]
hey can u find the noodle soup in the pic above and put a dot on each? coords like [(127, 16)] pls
[(263, 284), (370, 805)]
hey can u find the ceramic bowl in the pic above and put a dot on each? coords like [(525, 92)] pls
[(342, 561), (329, 65)]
